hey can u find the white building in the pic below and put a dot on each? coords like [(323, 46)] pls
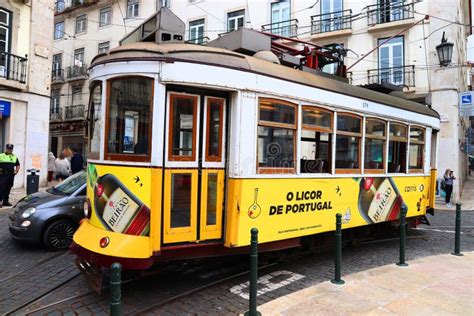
[(406, 65), (25, 65)]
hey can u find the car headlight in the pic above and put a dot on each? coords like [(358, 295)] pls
[(28, 212), (25, 224)]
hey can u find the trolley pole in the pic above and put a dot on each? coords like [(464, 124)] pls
[(115, 290), (403, 229), (457, 235), (337, 266), (253, 274)]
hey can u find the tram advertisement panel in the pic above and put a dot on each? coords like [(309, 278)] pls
[(119, 198), (287, 208)]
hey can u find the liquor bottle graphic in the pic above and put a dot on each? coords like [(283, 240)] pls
[(117, 208), (379, 199)]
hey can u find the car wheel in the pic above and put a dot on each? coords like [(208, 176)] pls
[(58, 235)]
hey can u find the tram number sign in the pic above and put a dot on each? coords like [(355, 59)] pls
[(267, 283), (365, 105)]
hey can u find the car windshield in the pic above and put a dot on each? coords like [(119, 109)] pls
[(71, 184)]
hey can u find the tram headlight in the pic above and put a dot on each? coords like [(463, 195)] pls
[(87, 209), (28, 212)]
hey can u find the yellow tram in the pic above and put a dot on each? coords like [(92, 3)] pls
[(192, 146)]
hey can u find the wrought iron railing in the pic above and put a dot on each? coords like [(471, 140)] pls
[(389, 12), (76, 71), (62, 5), (398, 76), (330, 22), (57, 75), (55, 114), (74, 112), (287, 28), (200, 40), (13, 67), (349, 76)]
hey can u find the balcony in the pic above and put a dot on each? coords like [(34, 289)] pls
[(331, 22), (76, 72), (55, 115), (57, 76), (61, 6), (199, 41), (403, 76), (13, 67), (74, 112), (287, 28), (390, 12)]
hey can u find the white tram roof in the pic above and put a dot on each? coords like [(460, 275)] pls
[(224, 58)]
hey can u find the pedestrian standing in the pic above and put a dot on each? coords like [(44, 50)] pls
[(448, 185), (77, 161), (63, 168), (9, 167), (51, 166)]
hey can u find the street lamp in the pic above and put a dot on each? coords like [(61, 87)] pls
[(445, 52)]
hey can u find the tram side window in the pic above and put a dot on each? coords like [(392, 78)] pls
[(316, 136), (397, 148), (417, 147), (348, 143), (215, 109), (375, 137), (129, 117), (95, 120), (182, 142), (276, 136)]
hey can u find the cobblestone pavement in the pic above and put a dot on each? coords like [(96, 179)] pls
[(45, 282)]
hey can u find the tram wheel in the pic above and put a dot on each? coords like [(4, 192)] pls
[(58, 235)]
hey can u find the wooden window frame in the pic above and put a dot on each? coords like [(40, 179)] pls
[(172, 157), (382, 138), (344, 133), (128, 157), (93, 84), (417, 142), (208, 126), (294, 127), (402, 140)]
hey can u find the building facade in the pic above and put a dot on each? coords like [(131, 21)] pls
[(25, 68), (391, 48)]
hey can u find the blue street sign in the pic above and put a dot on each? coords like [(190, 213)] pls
[(5, 107), (466, 99)]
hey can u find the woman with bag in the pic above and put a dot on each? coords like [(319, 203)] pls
[(448, 179), (63, 168)]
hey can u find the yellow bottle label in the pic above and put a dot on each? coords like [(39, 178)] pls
[(119, 210)]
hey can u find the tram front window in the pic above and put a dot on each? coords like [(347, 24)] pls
[(95, 120), (129, 116), (183, 127)]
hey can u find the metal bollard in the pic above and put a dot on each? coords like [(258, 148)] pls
[(253, 274), (403, 229), (337, 265), (457, 235), (115, 289)]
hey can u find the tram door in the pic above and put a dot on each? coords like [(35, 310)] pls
[(194, 168)]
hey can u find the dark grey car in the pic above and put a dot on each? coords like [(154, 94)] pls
[(50, 217)]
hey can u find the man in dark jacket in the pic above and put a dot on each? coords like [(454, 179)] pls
[(77, 162)]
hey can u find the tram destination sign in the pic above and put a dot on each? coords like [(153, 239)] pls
[(466, 103)]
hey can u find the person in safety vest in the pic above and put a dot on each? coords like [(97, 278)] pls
[(9, 167)]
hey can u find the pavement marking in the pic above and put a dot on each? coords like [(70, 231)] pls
[(439, 230), (266, 280)]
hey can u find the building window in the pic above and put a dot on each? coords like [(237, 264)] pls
[(105, 17), (276, 136), (162, 4), (78, 57), (129, 120), (331, 15), (235, 20), (397, 148), (57, 64), (104, 47), (375, 138), (55, 96), (60, 5), (391, 61), (281, 18), (316, 136), (77, 95), (58, 30), (196, 31), (5, 34), (417, 147), (81, 23), (132, 8), (348, 143)]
